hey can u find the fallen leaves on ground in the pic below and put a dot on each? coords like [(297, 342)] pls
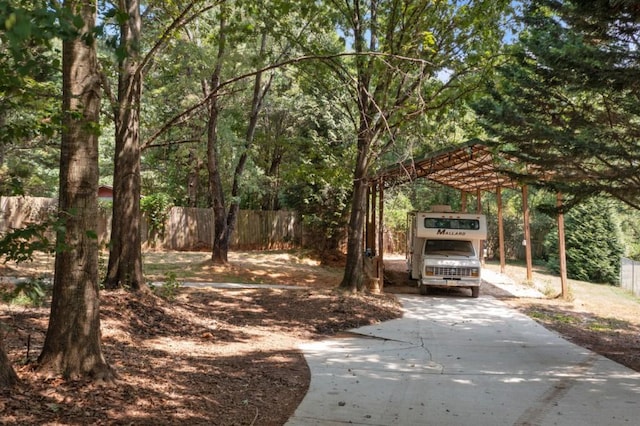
[(209, 357)]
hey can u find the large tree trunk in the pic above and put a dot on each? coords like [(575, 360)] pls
[(354, 275), (72, 345), (220, 243), (8, 377), (125, 255)]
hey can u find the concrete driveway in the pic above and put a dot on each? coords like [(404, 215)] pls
[(463, 361)]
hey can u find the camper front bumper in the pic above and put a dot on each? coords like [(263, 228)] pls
[(449, 282)]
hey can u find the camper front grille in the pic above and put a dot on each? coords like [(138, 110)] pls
[(454, 272)]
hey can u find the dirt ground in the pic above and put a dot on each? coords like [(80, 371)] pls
[(229, 356)]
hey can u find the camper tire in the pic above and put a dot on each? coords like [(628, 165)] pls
[(424, 290), (475, 292)]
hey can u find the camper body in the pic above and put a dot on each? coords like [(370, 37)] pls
[(444, 249)]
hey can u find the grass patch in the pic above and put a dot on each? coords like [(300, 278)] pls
[(555, 317), (606, 324)]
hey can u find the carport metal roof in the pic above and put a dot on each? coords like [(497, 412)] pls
[(468, 167)]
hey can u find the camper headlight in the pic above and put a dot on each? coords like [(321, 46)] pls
[(429, 271), (475, 272)]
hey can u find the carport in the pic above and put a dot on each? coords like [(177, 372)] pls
[(470, 168)]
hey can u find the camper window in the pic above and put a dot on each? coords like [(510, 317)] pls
[(449, 247)]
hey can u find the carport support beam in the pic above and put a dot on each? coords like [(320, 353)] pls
[(381, 234), (527, 232), (562, 253), (370, 223), (479, 211), (500, 230)]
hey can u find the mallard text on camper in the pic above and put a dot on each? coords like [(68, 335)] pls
[(445, 232)]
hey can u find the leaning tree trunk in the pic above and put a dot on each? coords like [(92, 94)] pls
[(72, 345), (270, 200), (220, 250), (125, 255), (193, 178), (222, 241)]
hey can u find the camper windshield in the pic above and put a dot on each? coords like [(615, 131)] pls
[(449, 247)]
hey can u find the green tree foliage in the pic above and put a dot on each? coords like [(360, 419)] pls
[(397, 205), (297, 117), (566, 104), (304, 146), (319, 187), (593, 243), (30, 87)]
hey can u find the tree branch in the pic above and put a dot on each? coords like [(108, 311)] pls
[(187, 113)]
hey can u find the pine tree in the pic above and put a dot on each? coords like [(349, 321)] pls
[(566, 104), (593, 243)]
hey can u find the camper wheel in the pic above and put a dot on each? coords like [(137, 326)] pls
[(424, 290)]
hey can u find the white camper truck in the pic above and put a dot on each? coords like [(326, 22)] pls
[(444, 249)]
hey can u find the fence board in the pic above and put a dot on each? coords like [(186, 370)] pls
[(188, 228), (267, 230)]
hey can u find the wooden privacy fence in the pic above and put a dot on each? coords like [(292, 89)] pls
[(267, 229), (190, 228), (18, 212), (185, 229), (630, 276), (21, 211)]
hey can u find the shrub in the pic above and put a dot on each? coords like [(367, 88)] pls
[(155, 208), (593, 243)]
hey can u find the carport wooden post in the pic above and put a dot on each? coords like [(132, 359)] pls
[(381, 233), (562, 254), (527, 232), (369, 225), (463, 201), (500, 230), (479, 211), (373, 234)]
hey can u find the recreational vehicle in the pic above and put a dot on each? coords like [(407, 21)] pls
[(444, 249)]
